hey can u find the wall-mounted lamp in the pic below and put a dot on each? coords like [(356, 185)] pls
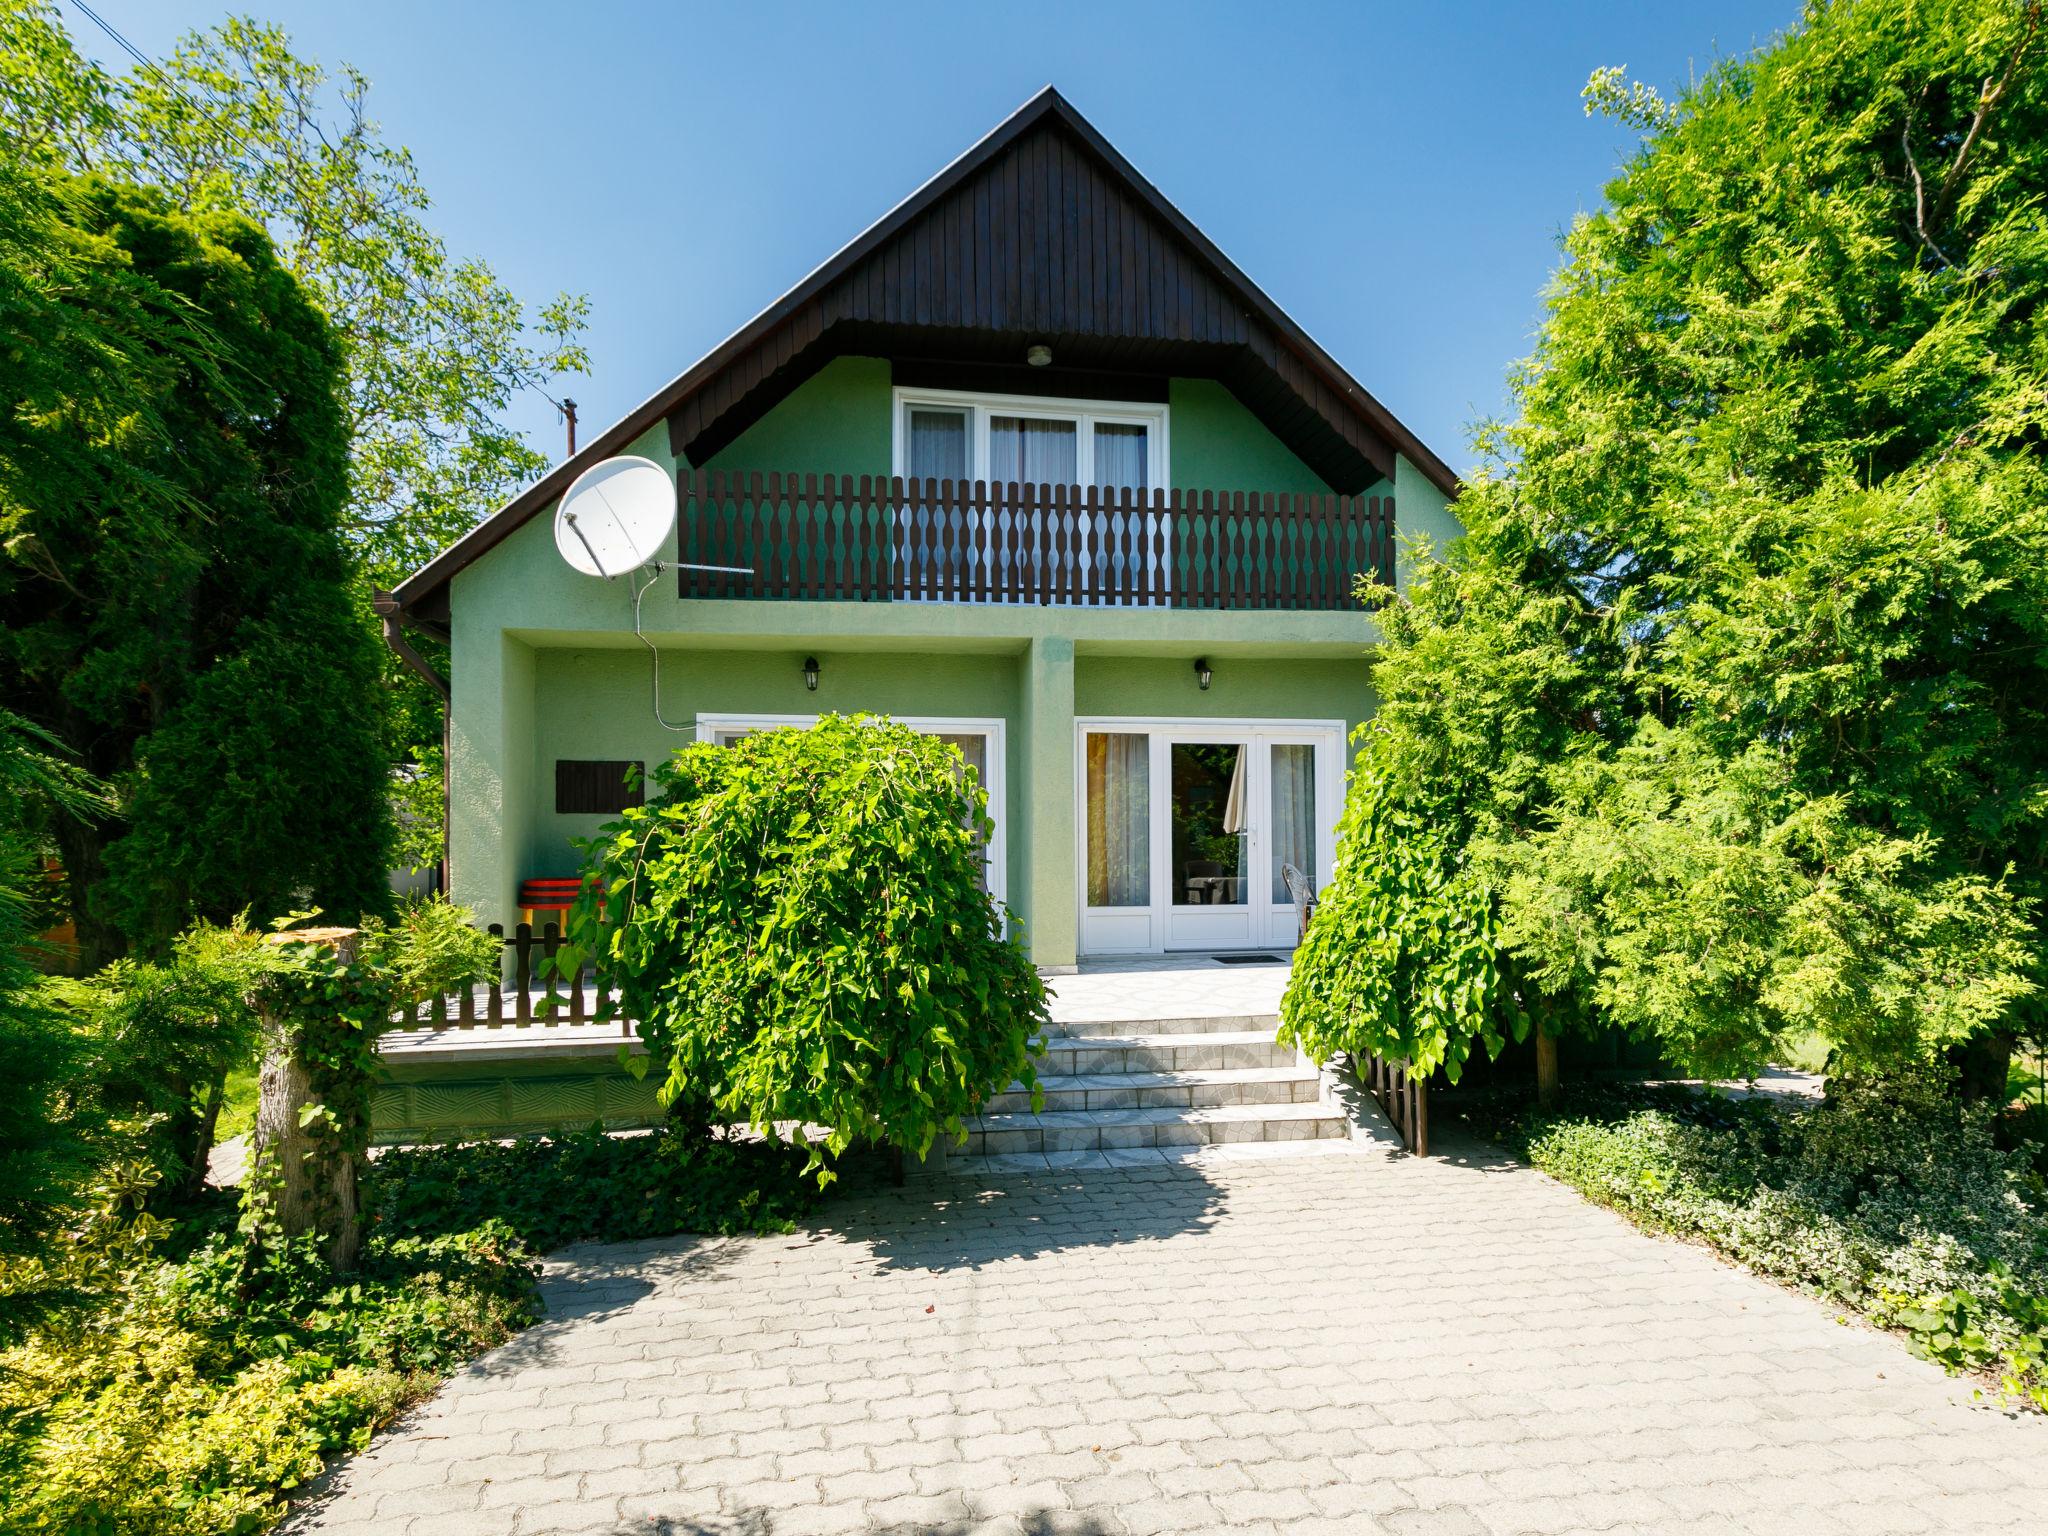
[(1202, 672), (1038, 354), (811, 674)]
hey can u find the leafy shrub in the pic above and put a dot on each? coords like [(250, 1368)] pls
[(188, 1397), (798, 922), (588, 1187), (1891, 1198)]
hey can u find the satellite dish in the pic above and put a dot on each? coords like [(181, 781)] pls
[(615, 516)]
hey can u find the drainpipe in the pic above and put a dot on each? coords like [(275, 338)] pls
[(387, 610)]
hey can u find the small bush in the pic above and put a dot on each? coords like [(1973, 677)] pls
[(798, 921), (1891, 1198), (189, 1397), (589, 1187)]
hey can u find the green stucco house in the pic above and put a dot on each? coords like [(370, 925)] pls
[(1031, 464)]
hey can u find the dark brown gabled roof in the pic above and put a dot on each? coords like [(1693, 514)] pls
[(1040, 231)]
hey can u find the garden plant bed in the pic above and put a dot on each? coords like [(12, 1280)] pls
[(1887, 1198), (151, 1382)]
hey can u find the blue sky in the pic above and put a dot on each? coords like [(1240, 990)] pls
[(1396, 176)]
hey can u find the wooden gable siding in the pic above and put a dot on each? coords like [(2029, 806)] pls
[(1042, 242)]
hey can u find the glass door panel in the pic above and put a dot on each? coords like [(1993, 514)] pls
[(1210, 827), (1209, 895), (1116, 884), (1291, 821)]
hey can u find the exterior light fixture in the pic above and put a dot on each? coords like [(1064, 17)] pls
[(1038, 354), (811, 674), (1202, 672)]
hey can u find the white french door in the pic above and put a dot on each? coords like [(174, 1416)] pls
[(1187, 828)]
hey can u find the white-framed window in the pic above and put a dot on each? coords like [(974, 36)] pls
[(950, 434), (955, 554), (981, 743)]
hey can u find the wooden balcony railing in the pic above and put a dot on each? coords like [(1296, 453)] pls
[(837, 538)]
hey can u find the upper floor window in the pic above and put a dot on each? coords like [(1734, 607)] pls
[(951, 435)]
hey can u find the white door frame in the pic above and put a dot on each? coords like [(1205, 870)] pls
[(1265, 923), (991, 726)]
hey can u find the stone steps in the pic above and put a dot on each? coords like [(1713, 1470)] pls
[(1115, 1091), (1166, 1090), (1104, 1130), (1153, 1052), (1222, 1023)]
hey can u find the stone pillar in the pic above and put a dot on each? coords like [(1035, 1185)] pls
[(1046, 800)]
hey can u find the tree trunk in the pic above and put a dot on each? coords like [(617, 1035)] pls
[(202, 1141), (310, 1169), (1546, 1067), (81, 849), (1986, 1064)]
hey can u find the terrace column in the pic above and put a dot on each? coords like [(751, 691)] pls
[(491, 770), (1046, 797)]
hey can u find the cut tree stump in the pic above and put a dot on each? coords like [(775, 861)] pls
[(311, 1170)]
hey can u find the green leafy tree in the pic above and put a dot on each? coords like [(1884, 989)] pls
[(173, 579), (434, 347), (1728, 720), (800, 925)]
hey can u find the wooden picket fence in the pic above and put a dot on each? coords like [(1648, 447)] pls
[(529, 993), (1405, 1098)]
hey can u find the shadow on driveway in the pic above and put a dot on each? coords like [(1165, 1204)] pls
[(762, 1522), (954, 1221)]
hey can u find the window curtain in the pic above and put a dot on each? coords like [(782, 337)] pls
[(1033, 452), (1119, 820), (1294, 814), (973, 749), (937, 450), (1121, 462)]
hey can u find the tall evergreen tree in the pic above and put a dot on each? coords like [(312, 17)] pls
[(1729, 718), (173, 582)]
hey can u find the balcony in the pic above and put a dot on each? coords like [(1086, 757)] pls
[(869, 539)]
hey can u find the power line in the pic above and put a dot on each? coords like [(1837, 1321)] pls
[(143, 61)]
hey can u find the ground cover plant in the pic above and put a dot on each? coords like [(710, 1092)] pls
[(800, 924), (1892, 1198), (589, 1187)]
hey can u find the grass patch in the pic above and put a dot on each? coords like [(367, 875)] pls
[(1890, 1199), (238, 1103)]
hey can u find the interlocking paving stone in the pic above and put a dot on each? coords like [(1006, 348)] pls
[(1336, 1343)]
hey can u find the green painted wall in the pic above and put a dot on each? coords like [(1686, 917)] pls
[(1218, 445), (1420, 513), (599, 704), (834, 423), (545, 665), (837, 422), (1240, 688)]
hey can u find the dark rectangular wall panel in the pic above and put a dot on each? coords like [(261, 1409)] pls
[(596, 786)]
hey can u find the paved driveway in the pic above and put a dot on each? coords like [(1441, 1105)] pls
[(1347, 1345)]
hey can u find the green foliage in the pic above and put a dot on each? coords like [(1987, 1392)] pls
[(174, 582), (1729, 716), (44, 1147), (331, 1007), (799, 923), (589, 1188), (160, 1037), (1890, 1198), (434, 347), (189, 1396)]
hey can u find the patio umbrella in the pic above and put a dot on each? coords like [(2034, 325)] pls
[(1233, 806)]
